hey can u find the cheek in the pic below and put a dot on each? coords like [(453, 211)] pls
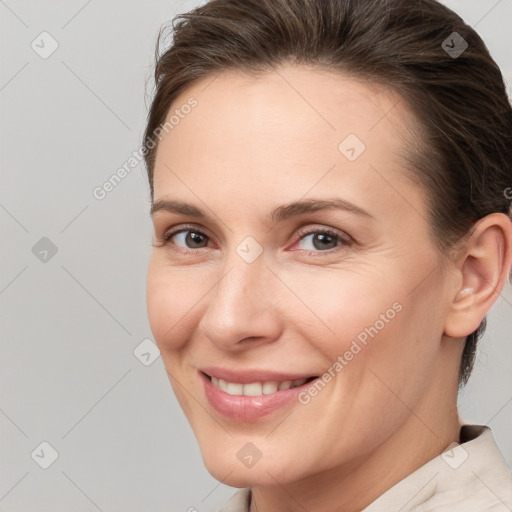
[(400, 359), (369, 326), (337, 306), (169, 303), (170, 299)]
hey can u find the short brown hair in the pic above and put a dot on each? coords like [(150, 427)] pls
[(465, 116)]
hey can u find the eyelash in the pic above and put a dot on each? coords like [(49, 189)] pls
[(345, 240)]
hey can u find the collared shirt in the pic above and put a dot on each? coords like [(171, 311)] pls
[(470, 477)]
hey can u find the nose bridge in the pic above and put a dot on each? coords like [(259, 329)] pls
[(242, 286), (241, 304)]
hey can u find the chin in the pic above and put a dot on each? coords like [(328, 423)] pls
[(233, 472), (237, 477)]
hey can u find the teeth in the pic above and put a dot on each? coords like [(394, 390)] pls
[(287, 384), (270, 387), (255, 388), (234, 388)]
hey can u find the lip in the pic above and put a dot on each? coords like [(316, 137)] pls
[(249, 408), (254, 375)]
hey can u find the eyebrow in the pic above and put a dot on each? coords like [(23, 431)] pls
[(279, 214)]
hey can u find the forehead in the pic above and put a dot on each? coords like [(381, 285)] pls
[(283, 131)]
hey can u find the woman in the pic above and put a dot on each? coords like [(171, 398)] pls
[(329, 196)]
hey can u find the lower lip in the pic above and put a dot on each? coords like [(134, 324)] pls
[(248, 408)]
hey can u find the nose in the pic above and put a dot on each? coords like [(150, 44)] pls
[(243, 306)]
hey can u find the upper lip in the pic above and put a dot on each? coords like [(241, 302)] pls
[(253, 375)]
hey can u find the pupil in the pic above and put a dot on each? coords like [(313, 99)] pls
[(194, 239), (324, 241)]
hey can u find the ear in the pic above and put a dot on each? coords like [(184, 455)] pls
[(483, 269)]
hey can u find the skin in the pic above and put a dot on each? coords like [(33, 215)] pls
[(297, 307)]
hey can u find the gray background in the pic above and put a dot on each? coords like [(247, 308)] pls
[(70, 324)]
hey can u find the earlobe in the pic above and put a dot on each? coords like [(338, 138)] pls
[(484, 269)]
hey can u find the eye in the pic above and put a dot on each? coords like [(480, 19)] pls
[(191, 239), (186, 238), (321, 240)]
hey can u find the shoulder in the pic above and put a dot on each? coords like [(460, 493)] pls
[(472, 475)]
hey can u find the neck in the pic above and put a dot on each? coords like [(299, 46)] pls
[(352, 486)]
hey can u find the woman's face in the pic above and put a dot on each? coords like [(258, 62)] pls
[(301, 253)]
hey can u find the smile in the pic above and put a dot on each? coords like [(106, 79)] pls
[(249, 396), (256, 388)]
